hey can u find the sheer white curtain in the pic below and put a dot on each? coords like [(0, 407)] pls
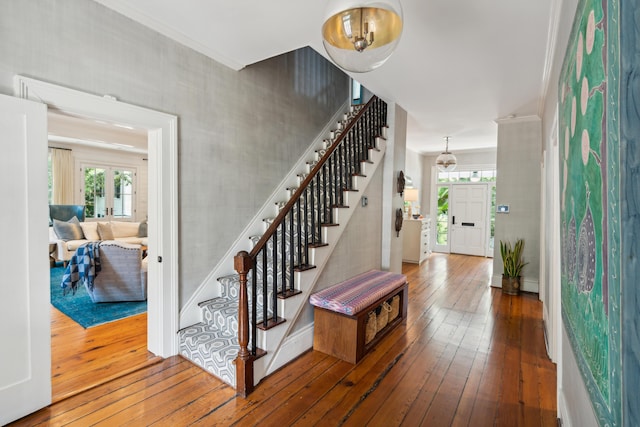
[(62, 176)]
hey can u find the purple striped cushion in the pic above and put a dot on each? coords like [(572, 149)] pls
[(355, 294)]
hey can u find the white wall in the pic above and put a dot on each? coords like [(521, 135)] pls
[(574, 404)]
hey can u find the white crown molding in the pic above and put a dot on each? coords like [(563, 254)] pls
[(518, 119), (552, 40), (148, 21)]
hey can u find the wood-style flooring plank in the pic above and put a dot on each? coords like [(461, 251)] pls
[(466, 355), (83, 358)]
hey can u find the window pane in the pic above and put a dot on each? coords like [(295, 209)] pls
[(443, 176), (488, 175), (122, 194), (464, 176), (94, 192), (442, 222)]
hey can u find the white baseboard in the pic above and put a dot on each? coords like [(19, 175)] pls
[(528, 285), (563, 412)]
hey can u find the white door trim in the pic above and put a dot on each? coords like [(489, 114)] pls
[(162, 318)]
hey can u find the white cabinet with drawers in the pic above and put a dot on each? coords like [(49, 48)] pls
[(415, 240)]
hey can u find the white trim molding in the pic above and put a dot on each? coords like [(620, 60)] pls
[(162, 308)]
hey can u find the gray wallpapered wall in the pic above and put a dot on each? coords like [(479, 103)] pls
[(239, 132), (518, 185)]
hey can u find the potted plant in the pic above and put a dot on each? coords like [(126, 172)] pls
[(513, 263)]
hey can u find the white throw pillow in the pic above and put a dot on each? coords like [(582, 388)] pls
[(124, 229), (90, 230)]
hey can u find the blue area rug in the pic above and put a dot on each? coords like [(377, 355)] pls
[(83, 311)]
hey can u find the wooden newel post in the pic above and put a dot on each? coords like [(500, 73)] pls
[(244, 362)]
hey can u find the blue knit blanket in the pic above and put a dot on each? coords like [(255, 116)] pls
[(83, 267)]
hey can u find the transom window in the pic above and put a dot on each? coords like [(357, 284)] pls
[(486, 175)]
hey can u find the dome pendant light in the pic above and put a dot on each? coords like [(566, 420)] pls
[(446, 161), (361, 35)]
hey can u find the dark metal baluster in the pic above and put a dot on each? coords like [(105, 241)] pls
[(274, 292), (265, 301), (335, 182), (313, 211), (306, 226), (299, 230), (283, 254), (254, 308), (329, 183), (343, 171), (291, 251), (316, 180), (274, 260)]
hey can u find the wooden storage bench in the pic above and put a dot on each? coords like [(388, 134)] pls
[(341, 313)]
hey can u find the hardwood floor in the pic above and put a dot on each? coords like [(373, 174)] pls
[(467, 356), (84, 358)]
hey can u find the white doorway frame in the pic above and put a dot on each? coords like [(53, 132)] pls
[(162, 303)]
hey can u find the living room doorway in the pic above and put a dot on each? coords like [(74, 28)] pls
[(161, 128), (104, 168)]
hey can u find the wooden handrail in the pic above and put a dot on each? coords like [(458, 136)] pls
[(296, 196), (244, 262)]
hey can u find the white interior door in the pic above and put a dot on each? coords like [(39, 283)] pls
[(25, 352), (468, 219)]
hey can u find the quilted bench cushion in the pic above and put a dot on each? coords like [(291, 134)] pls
[(355, 294)]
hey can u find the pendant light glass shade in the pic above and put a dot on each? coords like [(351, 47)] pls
[(360, 36), (446, 162)]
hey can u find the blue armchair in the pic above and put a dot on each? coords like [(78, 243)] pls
[(65, 212)]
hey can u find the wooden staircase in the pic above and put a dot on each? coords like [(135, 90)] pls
[(239, 338)]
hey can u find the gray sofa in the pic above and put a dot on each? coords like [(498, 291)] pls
[(123, 274)]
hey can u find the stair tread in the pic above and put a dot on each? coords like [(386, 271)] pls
[(206, 330), (211, 349), (219, 301)]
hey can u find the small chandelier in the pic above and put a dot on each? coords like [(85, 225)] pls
[(446, 161), (361, 35)]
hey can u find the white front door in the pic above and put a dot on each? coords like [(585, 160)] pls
[(468, 219), (25, 352)]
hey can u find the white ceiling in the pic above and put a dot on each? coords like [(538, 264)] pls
[(68, 129), (461, 64)]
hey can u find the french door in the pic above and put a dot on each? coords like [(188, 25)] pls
[(108, 192)]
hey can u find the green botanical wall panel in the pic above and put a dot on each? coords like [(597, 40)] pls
[(590, 202)]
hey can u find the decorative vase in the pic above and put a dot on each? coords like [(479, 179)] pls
[(511, 285)]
